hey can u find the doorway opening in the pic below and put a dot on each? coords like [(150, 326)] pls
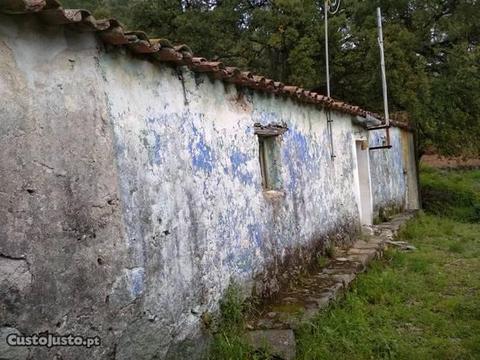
[(363, 182)]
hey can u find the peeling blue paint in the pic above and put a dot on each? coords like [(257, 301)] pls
[(238, 161), (244, 260), (136, 281), (289, 160), (152, 119), (230, 258), (201, 152), (154, 148), (119, 145), (255, 233), (300, 144), (296, 155), (155, 155)]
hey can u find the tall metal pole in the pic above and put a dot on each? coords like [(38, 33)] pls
[(326, 9), (382, 61), (327, 63)]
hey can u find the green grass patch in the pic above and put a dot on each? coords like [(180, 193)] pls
[(322, 261), (228, 341), (419, 305), (451, 193)]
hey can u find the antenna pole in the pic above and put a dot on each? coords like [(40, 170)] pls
[(326, 9), (382, 61), (329, 114)]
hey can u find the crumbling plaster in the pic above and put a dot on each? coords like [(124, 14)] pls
[(132, 192)]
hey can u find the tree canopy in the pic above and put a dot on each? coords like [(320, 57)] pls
[(431, 48)]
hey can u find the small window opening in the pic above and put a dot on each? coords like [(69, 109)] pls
[(269, 141)]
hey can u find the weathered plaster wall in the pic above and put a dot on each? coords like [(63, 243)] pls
[(133, 193), (195, 212), (412, 198), (61, 231), (393, 172)]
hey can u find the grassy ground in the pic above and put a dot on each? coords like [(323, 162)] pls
[(452, 194), (419, 305)]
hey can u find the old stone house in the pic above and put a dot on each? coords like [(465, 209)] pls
[(138, 181)]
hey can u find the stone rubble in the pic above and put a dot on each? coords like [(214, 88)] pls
[(402, 245)]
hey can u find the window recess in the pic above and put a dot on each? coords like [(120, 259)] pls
[(269, 142)]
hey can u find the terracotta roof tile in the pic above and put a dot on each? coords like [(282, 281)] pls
[(290, 90), (111, 32), (20, 7), (114, 36), (168, 55)]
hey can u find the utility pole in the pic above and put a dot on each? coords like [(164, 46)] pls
[(326, 10), (382, 63), (386, 125)]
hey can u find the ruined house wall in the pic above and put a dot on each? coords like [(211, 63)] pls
[(195, 212), (133, 193), (393, 173), (61, 228)]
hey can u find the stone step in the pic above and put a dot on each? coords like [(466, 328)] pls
[(279, 343), (275, 325)]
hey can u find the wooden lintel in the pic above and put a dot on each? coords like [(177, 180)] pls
[(270, 130)]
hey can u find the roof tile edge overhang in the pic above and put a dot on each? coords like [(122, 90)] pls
[(112, 32)]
